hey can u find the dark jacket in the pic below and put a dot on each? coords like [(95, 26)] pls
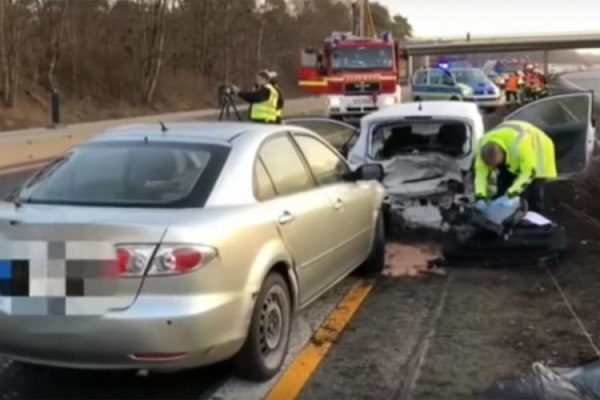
[(258, 95), (280, 100)]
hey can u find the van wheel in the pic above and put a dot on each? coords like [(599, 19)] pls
[(375, 263), (268, 338)]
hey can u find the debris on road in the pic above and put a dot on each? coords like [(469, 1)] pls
[(412, 259), (545, 383)]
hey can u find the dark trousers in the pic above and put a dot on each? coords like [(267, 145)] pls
[(533, 194), (512, 95)]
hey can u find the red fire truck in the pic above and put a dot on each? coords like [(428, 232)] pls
[(357, 74)]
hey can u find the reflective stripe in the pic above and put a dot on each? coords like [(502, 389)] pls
[(540, 165)]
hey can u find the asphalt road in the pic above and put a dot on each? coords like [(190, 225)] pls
[(585, 79), (374, 359)]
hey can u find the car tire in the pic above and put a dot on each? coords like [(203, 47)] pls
[(454, 99), (268, 338), (375, 263), (417, 98)]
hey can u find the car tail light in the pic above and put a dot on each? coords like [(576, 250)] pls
[(168, 259)]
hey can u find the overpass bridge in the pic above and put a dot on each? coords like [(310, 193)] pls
[(543, 43)]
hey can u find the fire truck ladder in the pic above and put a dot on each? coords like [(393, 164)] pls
[(363, 24)]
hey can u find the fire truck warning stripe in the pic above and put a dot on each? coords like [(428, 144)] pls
[(295, 378), (312, 83)]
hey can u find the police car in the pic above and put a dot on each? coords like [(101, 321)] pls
[(438, 84), (458, 84), (486, 94)]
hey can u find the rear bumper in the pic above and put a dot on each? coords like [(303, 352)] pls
[(179, 331)]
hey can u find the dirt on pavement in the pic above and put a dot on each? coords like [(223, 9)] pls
[(450, 337), (495, 322)]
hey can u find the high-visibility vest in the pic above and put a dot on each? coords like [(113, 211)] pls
[(512, 85), (529, 154), (266, 111)]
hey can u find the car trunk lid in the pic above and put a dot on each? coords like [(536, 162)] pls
[(61, 260)]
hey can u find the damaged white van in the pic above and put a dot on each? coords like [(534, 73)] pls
[(427, 149)]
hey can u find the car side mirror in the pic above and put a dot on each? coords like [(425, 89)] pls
[(369, 172)]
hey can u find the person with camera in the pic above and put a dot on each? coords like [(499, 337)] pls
[(263, 99)]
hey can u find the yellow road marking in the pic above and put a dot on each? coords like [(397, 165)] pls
[(293, 380)]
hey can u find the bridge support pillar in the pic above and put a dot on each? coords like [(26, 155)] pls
[(427, 62), (546, 60), (409, 68)]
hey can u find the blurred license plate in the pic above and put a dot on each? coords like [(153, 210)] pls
[(362, 102)]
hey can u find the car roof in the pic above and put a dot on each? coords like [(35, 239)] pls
[(202, 131), (442, 109)]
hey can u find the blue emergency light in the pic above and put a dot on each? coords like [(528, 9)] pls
[(443, 65)]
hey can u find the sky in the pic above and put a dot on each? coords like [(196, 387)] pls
[(452, 18)]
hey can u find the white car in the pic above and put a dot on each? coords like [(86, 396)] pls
[(427, 149)]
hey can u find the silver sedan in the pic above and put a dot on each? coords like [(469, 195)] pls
[(150, 248)]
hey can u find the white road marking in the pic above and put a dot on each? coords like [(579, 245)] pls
[(305, 325)]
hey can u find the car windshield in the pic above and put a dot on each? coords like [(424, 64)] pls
[(403, 138), (469, 76), (128, 174), (361, 59)]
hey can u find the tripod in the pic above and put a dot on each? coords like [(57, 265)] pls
[(227, 104)]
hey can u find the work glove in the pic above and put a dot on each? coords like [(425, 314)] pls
[(481, 205), (507, 201), (501, 209)]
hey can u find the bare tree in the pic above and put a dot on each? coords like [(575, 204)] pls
[(12, 16), (152, 30), (120, 54)]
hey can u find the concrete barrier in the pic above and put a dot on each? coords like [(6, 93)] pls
[(30, 147)]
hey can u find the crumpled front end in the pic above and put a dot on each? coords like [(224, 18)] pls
[(423, 189)]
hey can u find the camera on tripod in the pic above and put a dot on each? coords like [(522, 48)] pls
[(226, 89), (226, 102)]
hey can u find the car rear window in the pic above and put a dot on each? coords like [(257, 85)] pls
[(402, 138), (133, 174)]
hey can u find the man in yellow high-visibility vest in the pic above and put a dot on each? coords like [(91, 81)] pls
[(524, 158), (263, 99)]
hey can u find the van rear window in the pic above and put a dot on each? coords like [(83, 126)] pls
[(389, 140)]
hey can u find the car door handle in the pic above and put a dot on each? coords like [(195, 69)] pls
[(338, 204), (285, 218)]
